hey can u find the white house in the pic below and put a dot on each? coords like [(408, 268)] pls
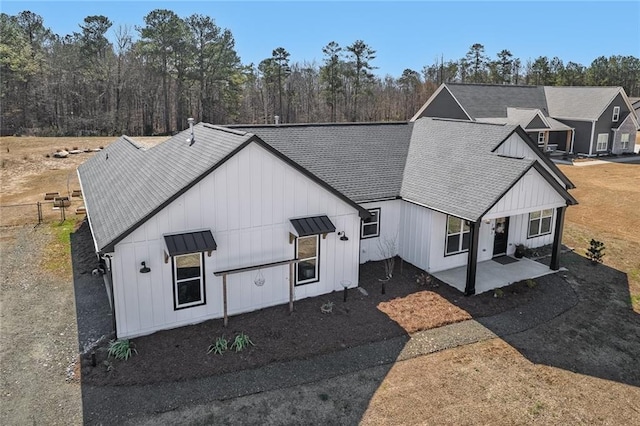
[(222, 220)]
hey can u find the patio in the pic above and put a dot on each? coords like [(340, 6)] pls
[(491, 274)]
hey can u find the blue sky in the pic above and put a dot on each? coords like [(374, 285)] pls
[(408, 34)]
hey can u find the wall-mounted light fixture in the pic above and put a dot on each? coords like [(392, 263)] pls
[(144, 268), (343, 236)]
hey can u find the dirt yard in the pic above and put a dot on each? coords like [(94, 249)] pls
[(580, 368)]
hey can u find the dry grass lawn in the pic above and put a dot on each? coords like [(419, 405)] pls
[(609, 211), (492, 383)]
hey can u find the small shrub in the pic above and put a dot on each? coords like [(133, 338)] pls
[(108, 365), (241, 342), (595, 253), (426, 280), (219, 347), (531, 283), (498, 293), (327, 308), (121, 349), (324, 397)]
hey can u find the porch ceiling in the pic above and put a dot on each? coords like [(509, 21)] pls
[(491, 274)]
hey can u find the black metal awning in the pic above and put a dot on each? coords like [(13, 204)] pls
[(190, 242), (313, 225)]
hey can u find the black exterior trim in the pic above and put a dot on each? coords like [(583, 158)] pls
[(363, 222), (204, 285), (190, 242), (295, 255)]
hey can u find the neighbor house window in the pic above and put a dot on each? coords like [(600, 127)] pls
[(540, 223), (603, 139), (307, 253), (371, 227), (188, 280), (616, 114), (624, 141), (541, 138), (458, 234)]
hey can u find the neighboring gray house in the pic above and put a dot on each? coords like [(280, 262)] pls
[(225, 220), (579, 120)]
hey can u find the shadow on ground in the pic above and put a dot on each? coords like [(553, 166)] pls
[(599, 336)]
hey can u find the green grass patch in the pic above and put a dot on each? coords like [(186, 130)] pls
[(58, 253)]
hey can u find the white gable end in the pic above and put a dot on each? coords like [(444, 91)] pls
[(532, 192), (515, 147)]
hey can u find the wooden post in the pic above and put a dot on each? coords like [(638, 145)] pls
[(224, 298), (557, 239), (291, 275), (472, 259)]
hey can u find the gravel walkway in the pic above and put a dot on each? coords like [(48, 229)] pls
[(556, 296)]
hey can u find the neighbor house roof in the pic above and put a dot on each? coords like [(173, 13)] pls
[(492, 100), (363, 161), (585, 103), (461, 177), (524, 116)]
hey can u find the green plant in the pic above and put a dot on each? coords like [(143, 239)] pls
[(326, 308), (241, 342), (121, 349), (595, 252), (531, 283), (498, 293), (219, 347), (521, 250)]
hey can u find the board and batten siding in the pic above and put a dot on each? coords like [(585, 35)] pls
[(247, 203), (415, 234), (370, 248), (515, 147)]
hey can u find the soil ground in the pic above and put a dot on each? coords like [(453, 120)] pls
[(579, 368)]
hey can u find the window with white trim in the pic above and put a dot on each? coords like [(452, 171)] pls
[(188, 280), (603, 141), (624, 141), (540, 223), (458, 235), (616, 114), (308, 255), (541, 138), (370, 227)]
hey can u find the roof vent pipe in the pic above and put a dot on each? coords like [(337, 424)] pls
[(276, 119), (192, 138)]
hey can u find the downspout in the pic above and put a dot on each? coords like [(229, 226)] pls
[(593, 130), (573, 138), (108, 281)]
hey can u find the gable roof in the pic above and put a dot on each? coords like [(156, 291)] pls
[(364, 161), (445, 177), (492, 100), (524, 117), (585, 103)]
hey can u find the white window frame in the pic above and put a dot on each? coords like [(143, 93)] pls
[(316, 275), (539, 217), (616, 114), (461, 230), (371, 224), (177, 282), (602, 142), (624, 141), (542, 137)]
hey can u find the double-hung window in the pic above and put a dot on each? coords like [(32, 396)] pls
[(188, 280), (458, 234), (541, 138), (603, 140), (308, 255), (540, 223), (371, 227), (624, 141), (616, 114)]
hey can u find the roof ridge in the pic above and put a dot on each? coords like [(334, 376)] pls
[(137, 145), (225, 129), (457, 120), (493, 85), (341, 124)]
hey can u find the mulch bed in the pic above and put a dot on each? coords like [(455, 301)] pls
[(408, 305)]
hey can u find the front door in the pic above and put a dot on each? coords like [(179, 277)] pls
[(501, 235)]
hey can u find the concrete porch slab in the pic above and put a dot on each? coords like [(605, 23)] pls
[(491, 274)]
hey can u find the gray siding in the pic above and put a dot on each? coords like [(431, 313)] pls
[(444, 106), (537, 123), (582, 137), (605, 124), (560, 139)]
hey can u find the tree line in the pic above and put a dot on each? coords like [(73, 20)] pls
[(148, 80)]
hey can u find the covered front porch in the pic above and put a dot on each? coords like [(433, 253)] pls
[(492, 274)]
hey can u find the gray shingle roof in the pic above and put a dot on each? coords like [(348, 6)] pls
[(585, 103), (491, 100), (450, 167), (125, 183), (362, 161)]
